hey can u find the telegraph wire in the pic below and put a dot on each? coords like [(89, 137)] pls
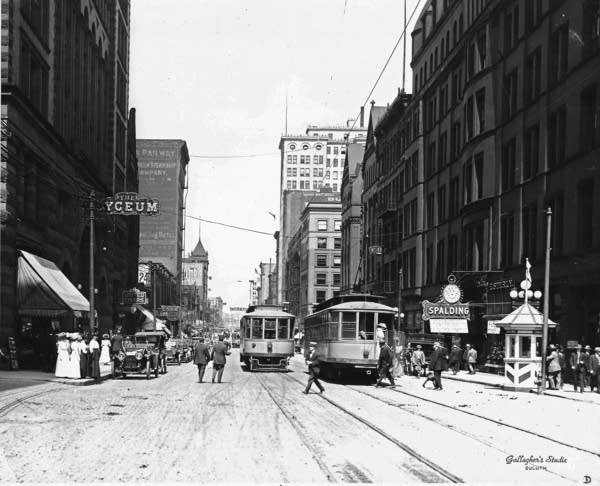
[(240, 156)]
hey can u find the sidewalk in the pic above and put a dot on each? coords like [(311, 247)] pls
[(497, 381), (37, 375)]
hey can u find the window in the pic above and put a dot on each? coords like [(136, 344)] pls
[(585, 214), (283, 329), (429, 265), (533, 65), (322, 243), (257, 329), (322, 225), (270, 328), (589, 123), (511, 28), (442, 204), (510, 94), (430, 209), (36, 12), (337, 243), (34, 76), (409, 259), (509, 153), (507, 238), (532, 152), (441, 262), (455, 144), (443, 147), (529, 218), (468, 183), (452, 253), (480, 111), (349, 325), (321, 279), (454, 197), (336, 279), (556, 137), (321, 296), (366, 324), (431, 162), (337, 225), (557, 54), (321, 260), (337, 260)]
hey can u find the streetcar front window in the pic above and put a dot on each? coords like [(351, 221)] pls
[(247, 329), (283, 329), (387, 319), (257, 329), (334, 326), (366, 323), (349, 325), (270, 328)]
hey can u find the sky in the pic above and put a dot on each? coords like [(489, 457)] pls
[(216, 73)]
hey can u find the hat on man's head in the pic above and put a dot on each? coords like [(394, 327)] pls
[(436, 343), (418, 346), (382, 325), (588, 347), (597, 349), (551, 346), (312, 343), (105, 336), (468, 346)]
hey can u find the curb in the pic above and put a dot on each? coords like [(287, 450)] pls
[(477, 382)]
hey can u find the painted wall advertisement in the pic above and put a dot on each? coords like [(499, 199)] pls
[(159, 169)]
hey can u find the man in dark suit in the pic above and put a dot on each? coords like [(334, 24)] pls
[(314, 368), (385, 363), (595, 369), (437, 363), (219, 353), (580, 364), (455, 358), (201, 358)]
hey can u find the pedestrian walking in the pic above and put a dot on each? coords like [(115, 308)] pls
[(385, 364), (314, 368), (381, 330), (588, 372), (398, 359), (580, 365), (95, 357), (553, 367), (219, 359), (201, 358), (595, 369), (472, 359), (437, 363), (418, 361), (563, 366), (455, 358), (465, 357)]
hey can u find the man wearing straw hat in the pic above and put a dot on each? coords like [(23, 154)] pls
[(314, 368)]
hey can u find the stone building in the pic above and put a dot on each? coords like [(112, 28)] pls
[(194, 287), (65, 124)]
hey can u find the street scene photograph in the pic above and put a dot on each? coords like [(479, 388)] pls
[(300, 241)]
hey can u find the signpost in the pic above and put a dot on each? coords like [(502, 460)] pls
[(131, 204)]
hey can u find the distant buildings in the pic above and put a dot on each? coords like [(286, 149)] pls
[(194, 287), (65, 131), (313, 262), (264, 289)]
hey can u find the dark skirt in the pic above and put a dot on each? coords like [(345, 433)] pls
[(83, 364), (95, 364)]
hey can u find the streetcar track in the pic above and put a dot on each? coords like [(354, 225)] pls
[(303, 437), (409, 450), (18, 401), (461, 431), (497, 422)]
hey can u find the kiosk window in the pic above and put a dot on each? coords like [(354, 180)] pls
[(511, 347), (270, 328), (256, 328), (525, 346)]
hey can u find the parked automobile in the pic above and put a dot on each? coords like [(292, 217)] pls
[(144, 352), (173, 351)]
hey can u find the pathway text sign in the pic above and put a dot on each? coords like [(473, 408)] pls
[(131, 204)]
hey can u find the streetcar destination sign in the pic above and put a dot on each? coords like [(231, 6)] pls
[(131, 204)]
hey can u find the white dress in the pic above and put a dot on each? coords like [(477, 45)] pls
[(105, 353), (74, 369), (62, 360)]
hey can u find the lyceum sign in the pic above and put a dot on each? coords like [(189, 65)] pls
[(131, 204)]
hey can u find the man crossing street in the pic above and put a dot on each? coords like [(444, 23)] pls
[(201, 358), (385, 363)]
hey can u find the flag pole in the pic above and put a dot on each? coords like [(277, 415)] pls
[(546, 298)]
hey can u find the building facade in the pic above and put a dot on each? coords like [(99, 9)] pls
[(314, 255), (263, 286), (65, 124), (503, 125), (351, 191), (194, 288)]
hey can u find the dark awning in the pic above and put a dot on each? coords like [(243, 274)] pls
[(43, 290)]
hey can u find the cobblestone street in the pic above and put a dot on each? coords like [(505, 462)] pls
[(259, 427)]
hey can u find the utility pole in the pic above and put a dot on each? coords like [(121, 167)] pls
[(153, 283), (546, 297), (92, 288)]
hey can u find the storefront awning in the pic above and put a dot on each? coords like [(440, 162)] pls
[(446, 326), (148, 324), (43, 290)]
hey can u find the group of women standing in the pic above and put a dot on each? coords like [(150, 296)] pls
[(77, 358)]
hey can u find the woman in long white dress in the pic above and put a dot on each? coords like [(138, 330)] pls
[(105, 352), (74, 370), (62, 360)]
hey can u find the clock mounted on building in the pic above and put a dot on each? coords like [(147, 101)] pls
[(451, 293)]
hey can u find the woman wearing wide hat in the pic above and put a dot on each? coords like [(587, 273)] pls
[(95, 357), (62, 360)]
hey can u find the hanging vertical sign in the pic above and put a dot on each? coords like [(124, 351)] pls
[(131, 204)]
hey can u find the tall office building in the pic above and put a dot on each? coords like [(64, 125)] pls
[(308, 163), (194, 283), (65, 132)]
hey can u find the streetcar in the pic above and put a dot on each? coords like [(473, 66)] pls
[(235, 339), (266, 341), (344, 328)]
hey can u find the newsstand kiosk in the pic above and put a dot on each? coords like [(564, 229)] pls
[(523, 347)]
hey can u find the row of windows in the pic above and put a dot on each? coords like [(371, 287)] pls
[(322, 243), (345, 325), (323, 225), (316, 185), (265, 328), (316, 172), (322, 260), (321, 279)]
